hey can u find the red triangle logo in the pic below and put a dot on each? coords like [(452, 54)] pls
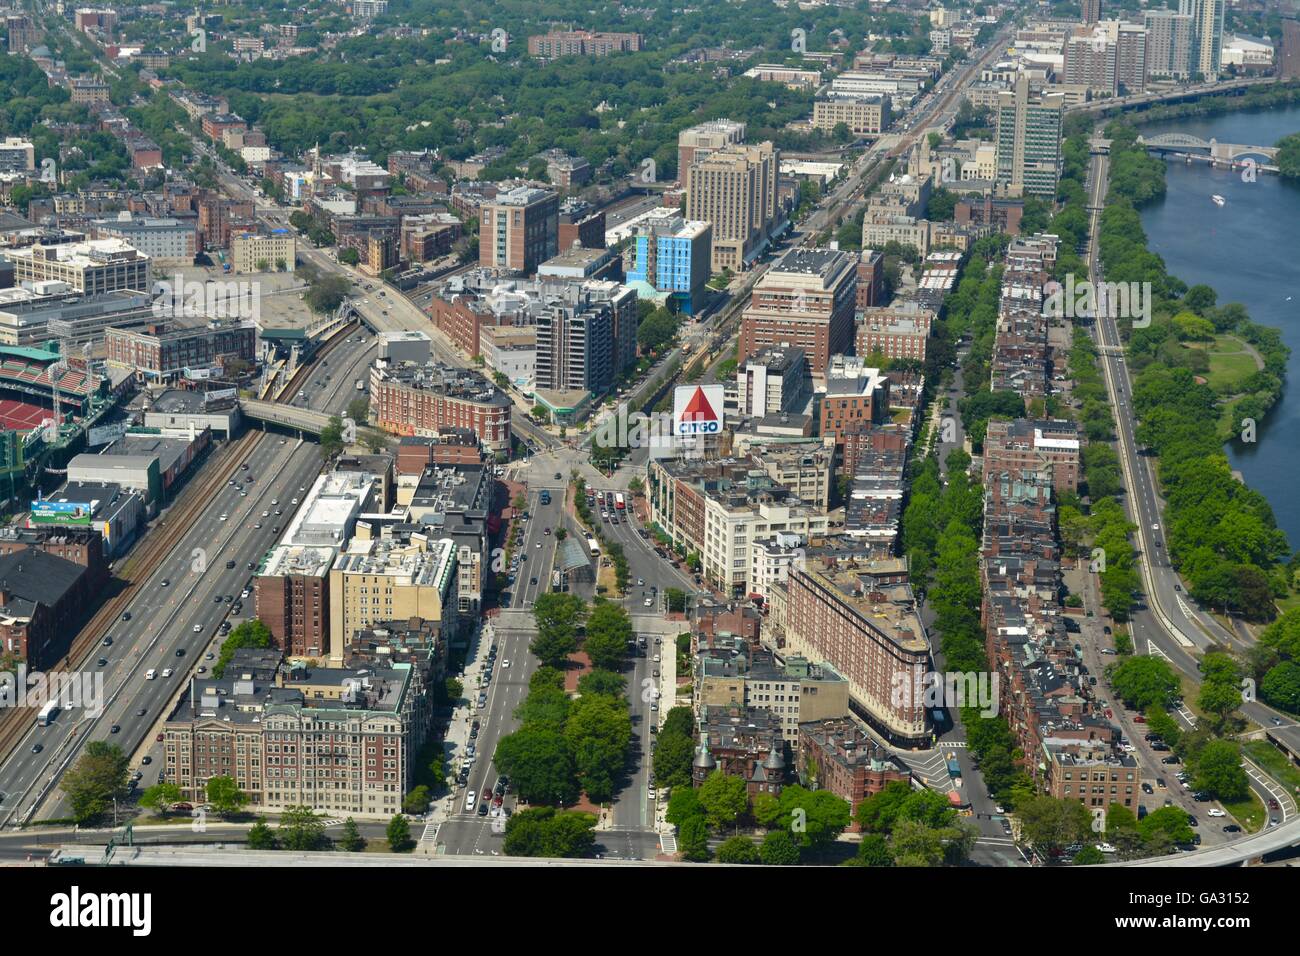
[(698, 408)]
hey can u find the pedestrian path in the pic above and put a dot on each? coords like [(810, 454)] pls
[(668, 841)]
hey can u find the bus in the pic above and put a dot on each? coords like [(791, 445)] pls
[(594, 548), (619, 502), (47, 714)]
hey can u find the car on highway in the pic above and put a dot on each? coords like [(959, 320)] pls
[(102, 662), (115, 728), (165, 582), (167, 672), (649, 602), (1277, 721), (107, 642), (150, 674), (505, 663), (146, 760), (180, 652), (37, 748), (198, 628), (126, 615)]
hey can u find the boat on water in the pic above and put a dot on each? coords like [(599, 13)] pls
[(1218, 200)]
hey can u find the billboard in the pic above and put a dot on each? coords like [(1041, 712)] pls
[(219, 394), (61, 512), (697, 410), (103, 434)]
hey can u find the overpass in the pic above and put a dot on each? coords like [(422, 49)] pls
[(1180, 95), (302, 420)]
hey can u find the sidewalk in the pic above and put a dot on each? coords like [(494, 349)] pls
[(457, 737)]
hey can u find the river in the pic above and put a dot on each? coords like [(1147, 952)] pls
[(1249, 252)]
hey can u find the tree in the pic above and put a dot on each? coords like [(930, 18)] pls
[(302, 829), (1167, 825), (1049, 824), (260, 836), (417, 801), (399, 834), (225, 796), (676, 599), (1144, 681), (546, 832), (358, 409), (557, 617), (96, 780), (160, 797), (326, 293), (251, 633), (1089, 856), (779, 849), (672, 760), (351, 841), (656, 330), (1281, 686), (814, 818), (331, 438), (1217, 770), (693, 840), (602, 682), (539, 764), (609, 628), (738, 849), (724, 798), (683, 805), (874, 851)]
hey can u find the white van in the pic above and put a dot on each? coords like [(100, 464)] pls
[(469, 799), (150, 674)]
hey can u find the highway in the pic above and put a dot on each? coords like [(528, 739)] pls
[(174, 598), (1168, 623)]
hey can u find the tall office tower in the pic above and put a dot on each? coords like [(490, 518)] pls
[(1130, 58), (1090, 61), (1091, 10), (1207, 35), (575, 348), (1169, 44), (21, 32), (734, 188), (806, 300), (697, 142), (519, 230), (1028, 141)]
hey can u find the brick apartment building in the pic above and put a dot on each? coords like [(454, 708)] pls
[(805, 300)]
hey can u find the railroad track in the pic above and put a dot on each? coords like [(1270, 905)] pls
[(157, 543)]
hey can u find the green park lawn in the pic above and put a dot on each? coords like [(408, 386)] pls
[(1230, 363)]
